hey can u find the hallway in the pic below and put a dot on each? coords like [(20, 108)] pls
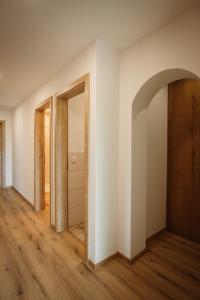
[(37, 263)]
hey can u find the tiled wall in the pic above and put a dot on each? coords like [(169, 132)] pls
[(75, 188)]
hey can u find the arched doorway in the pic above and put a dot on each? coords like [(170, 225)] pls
[(139, 152)]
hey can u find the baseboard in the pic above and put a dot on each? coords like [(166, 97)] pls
[(129, 261), (125, 258), (155, 235), (91, 265), (6, 187), (31, 205), (102, 262), (139, 255)]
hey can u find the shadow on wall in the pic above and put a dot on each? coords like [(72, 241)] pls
[(139, 151)]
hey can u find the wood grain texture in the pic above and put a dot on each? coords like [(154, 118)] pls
[(2, 155), (38, 263), (39, 153), (61, 166), (1, 162), (39, 161), (183, 191), (82, 85)]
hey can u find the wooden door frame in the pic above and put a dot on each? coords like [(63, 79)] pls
[(39, 179), (61, 146), (3, 156)]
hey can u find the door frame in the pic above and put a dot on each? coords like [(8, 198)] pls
[(61, 154), (39, 155), (3, 156)]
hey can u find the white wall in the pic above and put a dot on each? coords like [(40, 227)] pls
[(106, 224), (139, 179), (176, 45), (6, 115), (156, 163)]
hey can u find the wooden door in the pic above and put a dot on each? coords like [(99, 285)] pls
[(183, 191)]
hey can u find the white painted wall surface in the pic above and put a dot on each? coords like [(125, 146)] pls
[(156, 163), (176, 45), (6, 115), (107, 104), (139, 187)]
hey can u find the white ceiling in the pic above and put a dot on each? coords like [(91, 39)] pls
[(37, 37)]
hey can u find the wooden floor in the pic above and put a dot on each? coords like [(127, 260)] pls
[(37, 263), (78, 231)]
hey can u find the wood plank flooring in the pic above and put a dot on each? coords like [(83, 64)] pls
[(37, 263)]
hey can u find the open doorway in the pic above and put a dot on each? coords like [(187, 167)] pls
[(42, 179), (2, 154), (76, 167), (72, 127), (144, 167)]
